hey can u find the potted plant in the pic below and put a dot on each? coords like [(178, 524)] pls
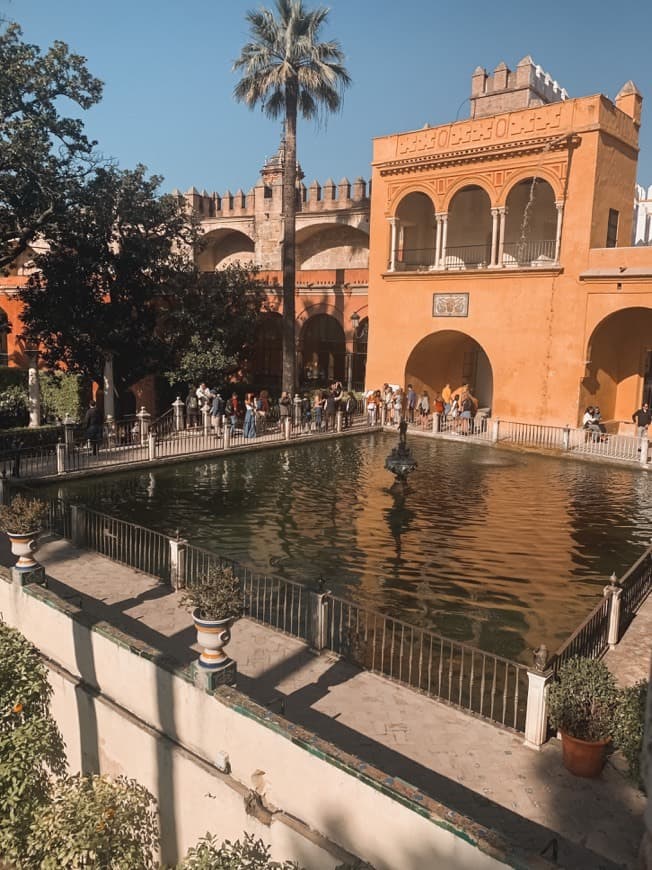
[(22, 520), (582, 705), (216, 602)]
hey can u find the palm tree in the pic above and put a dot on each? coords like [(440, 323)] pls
[(287, 71)]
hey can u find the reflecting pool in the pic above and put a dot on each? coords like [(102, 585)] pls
[(499, 549)]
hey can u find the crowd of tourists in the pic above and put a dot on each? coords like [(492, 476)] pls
[(457, 408), (257, 413)]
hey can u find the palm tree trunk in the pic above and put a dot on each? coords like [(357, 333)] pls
[(288, 257)]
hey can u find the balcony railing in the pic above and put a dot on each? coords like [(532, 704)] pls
[(538, 254)]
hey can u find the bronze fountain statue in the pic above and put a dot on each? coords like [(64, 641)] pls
[(400, 461)]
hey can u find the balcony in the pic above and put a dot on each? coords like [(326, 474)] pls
[(537, 254)]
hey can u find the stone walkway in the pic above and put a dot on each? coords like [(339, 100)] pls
[(465, 763), (629, 662)]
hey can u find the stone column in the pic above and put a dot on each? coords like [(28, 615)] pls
[(206, 414), (444, 239), (178, 562), (560, 217), (179, 407), (69, 433), (151, 446), (494, 238), (644, 449), (495, 432), (338, 421), (317, 620), (436, 423), (109, 388), (393, 222), (613, 592), (502, 212), (438, 241), (536, 714), (61, 458), (144, 419), (33, 389)]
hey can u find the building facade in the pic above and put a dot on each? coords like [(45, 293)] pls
[(500, 253)]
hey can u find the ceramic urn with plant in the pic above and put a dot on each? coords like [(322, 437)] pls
[(216, 601), (22, 520), (583, 704)]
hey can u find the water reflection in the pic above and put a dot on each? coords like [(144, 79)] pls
[(505, 551)]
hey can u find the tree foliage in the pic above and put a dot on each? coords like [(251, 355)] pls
[(31, 747), (212, 327), (212, 854), (43, 153), (286, 70), (122, 256)]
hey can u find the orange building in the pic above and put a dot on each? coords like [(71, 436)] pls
[(499, 253)]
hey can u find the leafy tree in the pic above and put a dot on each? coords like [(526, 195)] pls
[(123, 254), (212, 854), (93, 821), (31, 748), (60, 395), (213, 328), (43, 153), (287, 71)]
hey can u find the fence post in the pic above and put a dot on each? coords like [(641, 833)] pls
[(151, 446), (69, 433), (178, 562), (536, 714), (644, 448), (566, 438), (206, 414), (316, 621), (227, 434), (144, 418), (436, 423), (613, 592), (296, 409), (61, 458), (495, 431), (382, 414), (5, 492), (338, 421), (286, 427), (77, 525), (178, 407)]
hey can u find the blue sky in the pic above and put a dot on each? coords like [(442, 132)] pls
[(168, 99)]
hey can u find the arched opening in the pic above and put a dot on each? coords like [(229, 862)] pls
[(359, 365), (531, 224), (468, 244), (451, 357), (332, 246), (266, 365), (618, 376), (222, 247), (416, 232), (322, 352), (5, 329)]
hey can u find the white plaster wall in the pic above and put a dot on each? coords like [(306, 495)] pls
[(193, 795)]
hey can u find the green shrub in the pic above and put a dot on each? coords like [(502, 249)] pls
[(629, 726), (96, 822), (23, 436), (583, 701), (60, 395), (23, 515), (31, 748), (211, 854), (10, 376), (218, 594), (14, 410)]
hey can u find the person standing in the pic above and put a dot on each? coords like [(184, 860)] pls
[(424, 408), (284, 407), (217, 413), (642, 418), (249, 427), (330, 407), (192, 408), (447, 395), (348, 410), (93, 422), (411, 399), (233, 411)]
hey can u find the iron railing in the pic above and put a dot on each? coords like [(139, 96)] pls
[(589, 640), (471, 679), (127, 543), (466, 257), (537, 254), (636, 585)]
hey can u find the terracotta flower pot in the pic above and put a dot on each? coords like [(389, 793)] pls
[(23, 545), (583, 757), (212, 636)]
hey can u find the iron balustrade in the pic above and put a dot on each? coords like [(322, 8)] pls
[(409, 259), (589, 640), (532, 434), (466, 257), (636, 585), (537, 254), (464, 676), (126, 543)]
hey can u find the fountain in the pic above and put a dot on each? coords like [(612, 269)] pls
[(400, 461)]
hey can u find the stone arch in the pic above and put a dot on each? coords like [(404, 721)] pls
[(526, 174), (266, 363), (469, 228), (332, 246), (469, 181), (531, 223), (399, 195), (415, 214), (223, 246), (321, 351), (452, 357), (618, 364), (313, 310)]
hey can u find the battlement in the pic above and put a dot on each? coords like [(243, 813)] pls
[(507, 90), (265, 198)]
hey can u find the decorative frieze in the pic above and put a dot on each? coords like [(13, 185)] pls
[(450, 304)]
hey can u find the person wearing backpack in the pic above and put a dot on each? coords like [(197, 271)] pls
[(192, 409), (217, 414)]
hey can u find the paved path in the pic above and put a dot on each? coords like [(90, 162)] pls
[(631, 660), (467, 764)]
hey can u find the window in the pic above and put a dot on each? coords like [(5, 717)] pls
[(612, 228)]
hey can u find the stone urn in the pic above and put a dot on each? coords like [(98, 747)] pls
[(212, 636), (23, 545)]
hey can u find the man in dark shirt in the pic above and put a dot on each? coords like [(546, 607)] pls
[(642, 418), (93, 422)]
